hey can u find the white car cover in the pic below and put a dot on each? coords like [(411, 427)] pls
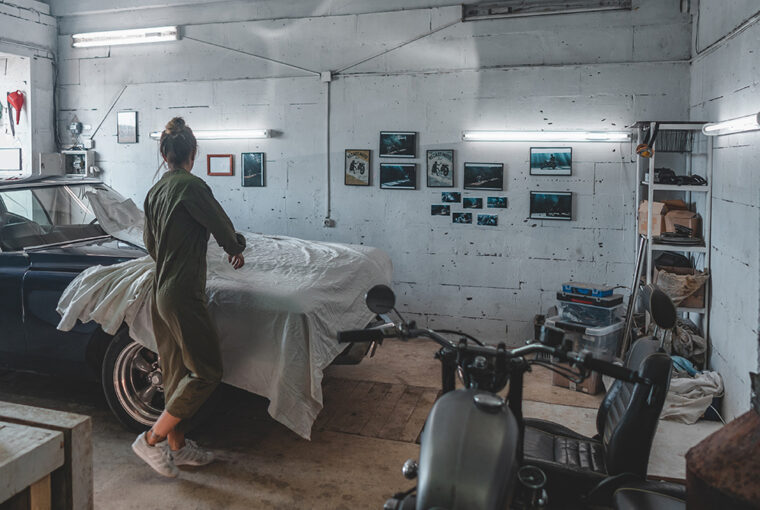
[(277, 317)]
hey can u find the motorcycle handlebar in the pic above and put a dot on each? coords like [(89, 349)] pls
[(616, 371), (359, 335)]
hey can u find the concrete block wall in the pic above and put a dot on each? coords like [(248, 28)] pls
[(28, 41), (725, 83), (595, 71)]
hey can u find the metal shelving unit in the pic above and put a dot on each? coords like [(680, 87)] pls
[(647, 188)]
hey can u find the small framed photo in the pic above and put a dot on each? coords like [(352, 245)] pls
[(126, 127), (551, 205), (440, 210), (357, 167), (398, 175), (219, 164), (253, 174), (551, 161), (440, 169), (461, 217), (485, 176), (488, 220), (472, 203), (497, 202), (451, 196), (398, 144)]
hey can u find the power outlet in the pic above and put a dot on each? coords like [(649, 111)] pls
[(329, 223)]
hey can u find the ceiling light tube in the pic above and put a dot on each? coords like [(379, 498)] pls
[(738, 125), (120, 37), (223, 134), (546, 136)]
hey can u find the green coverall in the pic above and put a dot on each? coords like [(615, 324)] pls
[(180, 213)]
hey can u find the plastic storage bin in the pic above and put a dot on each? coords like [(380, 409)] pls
[(589, 315), (602, 342)]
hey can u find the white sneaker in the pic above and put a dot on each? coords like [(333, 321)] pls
[(158, 457), (192, 455)]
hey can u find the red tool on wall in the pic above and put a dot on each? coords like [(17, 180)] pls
[(15, 100)]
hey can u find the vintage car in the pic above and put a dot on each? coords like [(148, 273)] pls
[(49, 235)]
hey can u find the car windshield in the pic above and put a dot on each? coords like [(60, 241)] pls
[(42, 215)]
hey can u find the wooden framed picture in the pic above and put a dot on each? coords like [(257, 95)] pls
[(253, 173), (440, 168), (398, 144), (219, 164), (126, 127), (357, 167), (551, 161), (398, 175)]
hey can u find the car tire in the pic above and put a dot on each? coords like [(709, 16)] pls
[(132, 382)]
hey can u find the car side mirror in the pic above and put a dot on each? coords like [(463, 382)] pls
[(380, 299)]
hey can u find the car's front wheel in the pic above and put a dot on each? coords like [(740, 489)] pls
[(132, 382)]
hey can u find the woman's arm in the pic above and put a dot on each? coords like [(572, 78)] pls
[(203, 207)]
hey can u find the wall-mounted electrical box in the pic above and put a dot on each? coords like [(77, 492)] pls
[(73, 162)]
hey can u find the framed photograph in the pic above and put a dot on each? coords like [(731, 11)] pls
[(472, 203), (253, 174), (398, 144), (488, 220), (219, 164), (451, 196), (440, 210), (126, 127), (398, 175), (551, 205), (440, 169), (551, 161), (497, 202), (357, 167), (485, 176), (461, 217)]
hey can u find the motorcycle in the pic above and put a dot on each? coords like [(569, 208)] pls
[(550, 164), (471, 449)]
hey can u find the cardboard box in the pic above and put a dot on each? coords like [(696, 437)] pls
[(591, 385), (688, 219), (659, 210)]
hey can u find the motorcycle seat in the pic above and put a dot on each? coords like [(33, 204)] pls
[(631, 498), (554, 443)]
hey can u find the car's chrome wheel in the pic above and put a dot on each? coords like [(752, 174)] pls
[(132, 382), (138, 383)]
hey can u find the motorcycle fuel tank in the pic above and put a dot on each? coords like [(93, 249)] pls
[(468, 453)]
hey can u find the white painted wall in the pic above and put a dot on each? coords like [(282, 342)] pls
[(725, 83), (601, 71), (27, 49)]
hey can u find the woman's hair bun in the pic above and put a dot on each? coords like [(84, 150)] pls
[(176, 125)]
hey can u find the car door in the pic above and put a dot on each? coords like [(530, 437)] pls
[(13, 265)]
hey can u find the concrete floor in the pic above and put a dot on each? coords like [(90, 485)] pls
[(264, 465)]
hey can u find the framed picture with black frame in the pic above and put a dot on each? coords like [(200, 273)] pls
[(398, 144), (484, 176), (551, 205), (357, 169), (253, 172), (551, 161), (440, 168), (398, 175)]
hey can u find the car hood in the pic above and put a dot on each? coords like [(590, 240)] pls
[(79, 255)]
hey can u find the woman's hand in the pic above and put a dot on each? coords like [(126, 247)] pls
[(237, 261)]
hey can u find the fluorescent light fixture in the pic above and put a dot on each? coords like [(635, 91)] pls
[(546, 136), (738, 125), (222, 134), (119, 37)]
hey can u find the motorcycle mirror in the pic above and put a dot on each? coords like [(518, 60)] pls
[(551, 336), (660, 306), (380, 299)]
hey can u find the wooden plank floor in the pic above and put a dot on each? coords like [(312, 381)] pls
[(375, 409)]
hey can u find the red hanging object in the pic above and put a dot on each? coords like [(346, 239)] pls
[(16, 100)]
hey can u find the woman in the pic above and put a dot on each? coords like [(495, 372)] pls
[(180, 213)]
